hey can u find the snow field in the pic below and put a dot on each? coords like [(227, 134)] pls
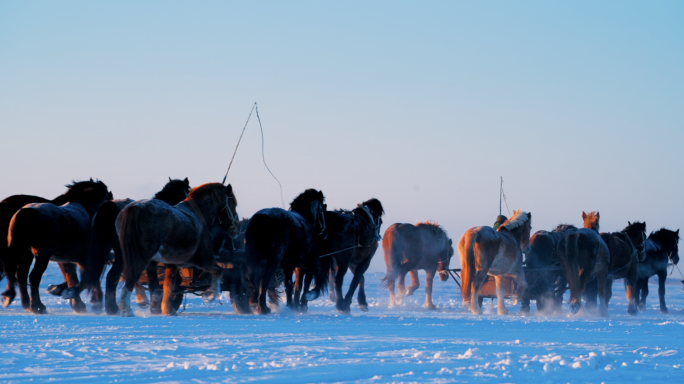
[(407, 344)]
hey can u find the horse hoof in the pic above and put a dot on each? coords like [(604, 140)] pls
[(55, 290), (127, 313), (363, 307), (143, 304), (7, 299), (78, 307), (112, 309), (503, 311), (69, 293), (632, 312), (96, 307), (311, 296), (525, 310), (157, 295), (208, 296), (431, 307), (155, 310), (574, 308), (264, 310), (38, 309), (663, 311), (641, 307)]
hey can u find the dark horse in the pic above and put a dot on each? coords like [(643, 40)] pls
[(51, 232), (352, 239), (662, 247), (152, 230), (104, 239), (286, 239), (409, 248), (543, 272), (584, 255), (626, 250), (485, 251)]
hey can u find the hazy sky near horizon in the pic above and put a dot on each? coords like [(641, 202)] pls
[(579, 106)]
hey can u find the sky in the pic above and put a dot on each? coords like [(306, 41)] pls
[(578, 106)]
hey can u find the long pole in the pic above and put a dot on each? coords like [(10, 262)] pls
[(500, 194)]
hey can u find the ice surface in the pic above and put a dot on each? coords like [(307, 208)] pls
[(407, 344)]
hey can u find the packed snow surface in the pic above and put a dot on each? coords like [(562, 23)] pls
[(406, 344)]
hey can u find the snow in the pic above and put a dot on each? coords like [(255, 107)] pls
[(407, 344)]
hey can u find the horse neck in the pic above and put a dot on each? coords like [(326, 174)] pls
[(307, 216), (204, 210), (61, 199), (593, 226)]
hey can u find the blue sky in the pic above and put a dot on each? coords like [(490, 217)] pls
[(579, 106)]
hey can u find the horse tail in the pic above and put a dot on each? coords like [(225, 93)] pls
[(19, 240), (466, 252), (102, 239), (321, 274), (131, 245)]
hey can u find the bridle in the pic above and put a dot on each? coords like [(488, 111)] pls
[(321, 214), (233, 216), (364, 208)]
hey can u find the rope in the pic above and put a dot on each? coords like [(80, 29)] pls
[(282, 201), (238, 143)]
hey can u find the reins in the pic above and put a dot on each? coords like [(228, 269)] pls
[(358, 238)]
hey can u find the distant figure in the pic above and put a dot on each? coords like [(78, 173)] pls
[(499, 220)]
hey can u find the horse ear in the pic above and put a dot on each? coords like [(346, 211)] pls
[(529, 215), (677, 232), (186, 182), (169, 179), (229, 189), (584, 215), (450, 242), (628, 223), (598, 216)]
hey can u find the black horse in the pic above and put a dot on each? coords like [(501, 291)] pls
[(661, 248), (104, 239), (286, 239), (10, 206), (51, 232), (545, 278), (352, 241)]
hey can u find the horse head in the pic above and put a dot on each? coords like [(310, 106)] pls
[(228, 217), (637, 235), (374, 209), (310, 204), (521, 225), (591, 220), (443, 264), (90, 194), (669, 242)]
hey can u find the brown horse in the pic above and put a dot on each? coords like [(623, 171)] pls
[(584, 256), (152, 230), (409, 248), (485, 251)]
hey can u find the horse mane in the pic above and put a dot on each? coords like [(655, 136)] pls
[(80, 190), (211, 189), (639, 225), (342, 210), (519, 219), (375, 206), (665, 237), (171, 187), (432, 225), (301, 203), (563, 227)]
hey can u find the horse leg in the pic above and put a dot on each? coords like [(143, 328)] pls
[(36, 275), (96, 295), (356, 279), (630, 288), (500, 295), (299, 281), (662, 275), (429, 279), (304, 306), (390, 288), (331, 280), (263, 309), (22, 274), (289, 287), (361, 298), (642, 285), (401, 288), (603, 295), (341, 304), (415, 283), (169, 284), (69, 272), (156, 292), (590, 295), (113, 277), (475, 303)]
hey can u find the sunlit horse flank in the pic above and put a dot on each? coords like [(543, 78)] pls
[(104, 239), (584, 256), (182, 235), (409, 248), (484, 251), (51, 232)]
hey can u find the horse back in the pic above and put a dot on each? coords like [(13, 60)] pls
[(273, 233)]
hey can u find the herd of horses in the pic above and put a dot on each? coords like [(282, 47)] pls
[(306, 248)]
